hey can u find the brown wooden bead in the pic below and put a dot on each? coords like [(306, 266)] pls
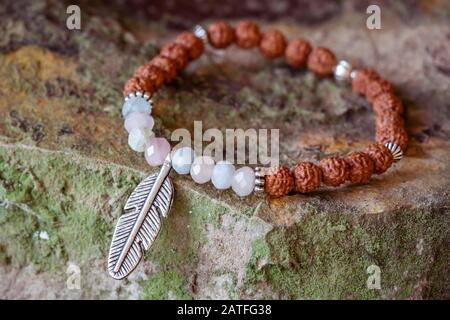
[(247, 34), (278, 181), (272, 44), (381, 156), (177, 53), (363, 76), (392, 133), (220, 34), (297, 53), (376, 87), (307, 177), (334, 171), (321, 61), (387, 102), (135, 84), (152, 74), (360, 167), (191, 43), (167, 66)]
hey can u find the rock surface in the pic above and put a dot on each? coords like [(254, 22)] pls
[(66, 168)]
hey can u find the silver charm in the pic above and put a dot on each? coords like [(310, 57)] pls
[(396, 151), (139, 226), (343, 71), (259, 179)]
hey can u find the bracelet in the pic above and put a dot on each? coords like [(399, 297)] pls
[(140, 224)]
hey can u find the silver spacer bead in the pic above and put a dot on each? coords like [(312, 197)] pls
[(343, 71), (201, 33), (145, 95), (396, 151), (259, 179)]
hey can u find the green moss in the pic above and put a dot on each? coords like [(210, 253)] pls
[(326, 256), (85, 235), (439, 286), (165, 285), (315, 259), (183, 233), (72, 202), (68, 201), (260, 252), (323, 256)]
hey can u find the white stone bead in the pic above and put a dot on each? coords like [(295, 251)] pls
[(243, 181), (138, 120), (222, 175), (138, 138), (136, 104), (202, 168), (182, 160)]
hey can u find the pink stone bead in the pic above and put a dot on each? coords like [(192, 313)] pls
[(138, 120), (157, 151), (202, 168)]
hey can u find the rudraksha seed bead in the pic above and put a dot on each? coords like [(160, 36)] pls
[(297, 53), (272, 44), (377, 87), (135, 84), (307, 177), (388, 119), (278, 181), (381, 156), (167, 66), (362, 78), (152, 74), (334, 171), (177, 53), (321, 61), (191, 43), (247, 34), (220, 34), (387, 102), (392, 133), (360, 167)]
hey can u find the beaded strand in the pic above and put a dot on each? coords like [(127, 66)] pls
[(356, 167)]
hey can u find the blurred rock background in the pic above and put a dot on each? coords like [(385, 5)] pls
[(66, 169)]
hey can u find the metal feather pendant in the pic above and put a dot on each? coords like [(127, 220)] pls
[(139, 226)]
